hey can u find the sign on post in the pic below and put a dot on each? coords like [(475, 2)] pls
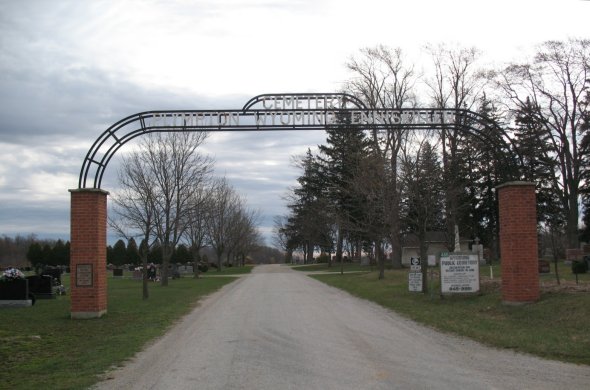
[(415, 275), (415, 281), (459, 273)]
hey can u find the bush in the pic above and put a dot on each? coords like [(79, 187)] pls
[(579, 266), (323, 258), (203, 267)]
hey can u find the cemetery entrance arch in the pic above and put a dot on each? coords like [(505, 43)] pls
[(269, 112)]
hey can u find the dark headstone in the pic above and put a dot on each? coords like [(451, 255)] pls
[(41, 286), (14, 290), (118, 272), (55, 273)]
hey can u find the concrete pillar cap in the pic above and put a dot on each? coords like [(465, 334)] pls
[(515, 184)]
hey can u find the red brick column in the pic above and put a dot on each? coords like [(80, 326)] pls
[(518, 242), (88, 281)]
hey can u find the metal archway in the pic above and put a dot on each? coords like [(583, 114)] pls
[(293, 111), (261, 113)]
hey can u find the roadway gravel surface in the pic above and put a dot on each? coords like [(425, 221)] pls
[(279, 329)]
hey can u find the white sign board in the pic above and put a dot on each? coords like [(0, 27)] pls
[(415, 281), (459, 273), (431, 260)]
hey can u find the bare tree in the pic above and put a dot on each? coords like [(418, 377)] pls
[(382, 78), (177, 167), (199, 207), (224, 204), (556, 82), (171, 167), (133, 207), (457, 83), (246, 235)]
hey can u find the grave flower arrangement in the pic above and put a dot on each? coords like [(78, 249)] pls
[(12, 274)]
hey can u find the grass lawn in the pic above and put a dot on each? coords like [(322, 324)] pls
[(41, 347), (348, 267), (229, 270), (556, 327)]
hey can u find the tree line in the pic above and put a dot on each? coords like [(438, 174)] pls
[(121, 254), (363, 190)]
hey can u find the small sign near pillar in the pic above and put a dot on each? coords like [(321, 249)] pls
[(84, 275)]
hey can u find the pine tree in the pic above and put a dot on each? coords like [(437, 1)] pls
[(132, 252), (309, 223), (422, 198), (532, 141), (119, 255), (341, 159)]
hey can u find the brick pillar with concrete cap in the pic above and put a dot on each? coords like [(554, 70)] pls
[(518, 242), (88, 281)]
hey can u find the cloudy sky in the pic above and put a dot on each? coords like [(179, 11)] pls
[(70, 69)]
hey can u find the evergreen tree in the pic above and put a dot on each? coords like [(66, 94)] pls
[(119, 254), (60, 254), (488, 167), (533, 143), (48, 255), (181, 254), (422, 198), (35, 254), (340, 160), (132, 252), (309, 219)]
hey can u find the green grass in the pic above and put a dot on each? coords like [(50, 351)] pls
[(41, 347), (229, 270), (564, 270), (348, 267), (556, 327)]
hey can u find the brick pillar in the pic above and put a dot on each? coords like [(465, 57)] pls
[(88, 281), (518, 242)]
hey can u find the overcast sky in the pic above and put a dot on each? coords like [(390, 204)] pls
[(70, 69)]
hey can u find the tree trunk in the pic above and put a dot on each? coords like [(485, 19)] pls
[(144, 281), (424, 262), (572, 220), (339, 245), (196, 260), (394, 232), (309, 253), (380, 260), (166, 255), (219, 254)]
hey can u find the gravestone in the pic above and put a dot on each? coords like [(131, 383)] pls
[(118, 273), (41, 286), (544, 266), (15, 293), (137, 274), (55, 273)]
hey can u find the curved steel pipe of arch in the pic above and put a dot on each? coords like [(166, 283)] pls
[(111, 140), (92, 157)]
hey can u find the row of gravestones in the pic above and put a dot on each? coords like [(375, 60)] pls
[(176, 271)]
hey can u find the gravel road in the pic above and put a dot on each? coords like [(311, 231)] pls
[(279, 329)]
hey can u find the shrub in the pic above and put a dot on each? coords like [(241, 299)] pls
[(323, 258), (579, 267)]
